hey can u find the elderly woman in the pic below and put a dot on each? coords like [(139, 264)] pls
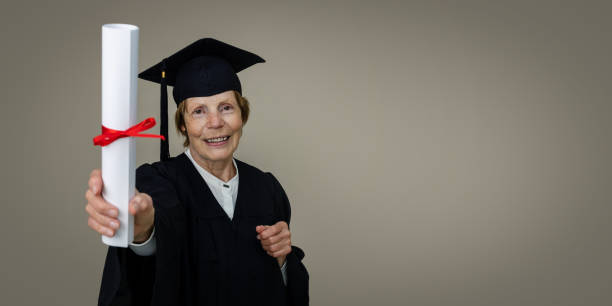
[(209, 229)]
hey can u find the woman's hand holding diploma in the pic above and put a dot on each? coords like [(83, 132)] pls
[(103, 215)]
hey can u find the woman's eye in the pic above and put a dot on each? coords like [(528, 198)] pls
[(198, 112), (226, 107)]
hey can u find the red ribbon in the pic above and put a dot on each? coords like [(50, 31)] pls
[(110, 135)]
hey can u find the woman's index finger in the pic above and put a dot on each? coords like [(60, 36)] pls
[(270, 231)]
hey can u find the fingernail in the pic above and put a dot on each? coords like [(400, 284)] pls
[(94, 189), (109, 233), (114, 224), (112, 212)]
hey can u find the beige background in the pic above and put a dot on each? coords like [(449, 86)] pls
[(435, 153)]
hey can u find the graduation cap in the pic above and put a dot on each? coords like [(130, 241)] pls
[(204, 68)]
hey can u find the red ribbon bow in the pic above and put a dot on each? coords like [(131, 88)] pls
[(110, 135)]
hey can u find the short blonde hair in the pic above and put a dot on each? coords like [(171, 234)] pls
[(179, 115)]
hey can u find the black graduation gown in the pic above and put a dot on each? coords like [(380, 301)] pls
[(203, 257)]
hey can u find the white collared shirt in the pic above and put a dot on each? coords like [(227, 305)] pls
[(225, 193)]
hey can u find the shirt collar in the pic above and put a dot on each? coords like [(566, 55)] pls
[(209, 177)]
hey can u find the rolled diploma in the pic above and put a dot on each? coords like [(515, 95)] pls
[(119, 106)]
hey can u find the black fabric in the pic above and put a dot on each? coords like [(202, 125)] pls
[(205, 76), (203, 257)]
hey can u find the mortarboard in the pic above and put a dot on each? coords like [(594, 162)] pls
[(204, 68)]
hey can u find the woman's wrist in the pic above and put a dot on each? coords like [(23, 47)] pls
[(281, 260), (144, 237)]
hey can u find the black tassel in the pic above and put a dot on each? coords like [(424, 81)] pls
[(164, 151)]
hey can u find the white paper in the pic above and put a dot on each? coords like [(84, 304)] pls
[(119, 106)]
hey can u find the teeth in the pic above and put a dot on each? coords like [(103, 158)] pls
[(218, 139)]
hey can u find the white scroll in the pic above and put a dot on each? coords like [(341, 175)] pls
[(119, 106)]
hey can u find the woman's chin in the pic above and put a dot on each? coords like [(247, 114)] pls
[(213, 153)]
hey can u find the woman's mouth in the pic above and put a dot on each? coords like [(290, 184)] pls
[(217, 141)]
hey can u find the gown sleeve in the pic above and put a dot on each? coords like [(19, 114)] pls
[(129, 279), (297, 275)]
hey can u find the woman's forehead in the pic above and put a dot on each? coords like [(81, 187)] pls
[(227, 97)]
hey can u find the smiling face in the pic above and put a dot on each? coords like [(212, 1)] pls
[(213, 125)]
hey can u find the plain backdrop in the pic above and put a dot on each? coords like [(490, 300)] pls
[(434, 152)]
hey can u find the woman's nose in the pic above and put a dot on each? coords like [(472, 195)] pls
[(214, 120)]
